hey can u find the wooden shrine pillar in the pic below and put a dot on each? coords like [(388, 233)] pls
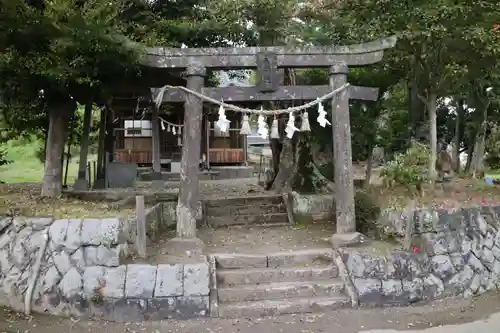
[(188, 208), (155, 148), (342, 157), (100, 181), (81, 182)]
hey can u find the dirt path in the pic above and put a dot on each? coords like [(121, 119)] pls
[(444, 312)]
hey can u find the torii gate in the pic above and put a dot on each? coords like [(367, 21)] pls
[(267, 61)]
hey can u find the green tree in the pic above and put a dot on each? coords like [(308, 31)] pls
[(56, 56), (434, 39)]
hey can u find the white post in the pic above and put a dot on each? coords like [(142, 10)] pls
[(140, 214)]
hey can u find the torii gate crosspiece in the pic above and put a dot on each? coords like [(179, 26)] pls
[(268, 61)]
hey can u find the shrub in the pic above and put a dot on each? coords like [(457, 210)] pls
[(492, 159), (409, 169), (3, 158)]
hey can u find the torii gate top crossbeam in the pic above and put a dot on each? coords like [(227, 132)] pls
[(245, 57)]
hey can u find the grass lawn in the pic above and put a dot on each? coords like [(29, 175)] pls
[(21, 193), (26, 167)]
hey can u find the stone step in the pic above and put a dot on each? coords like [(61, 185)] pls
[(281, 290), (246, 209), (300, 258), (224, 221), (280, 307), (228, 278), (240, 261), (248, 200)]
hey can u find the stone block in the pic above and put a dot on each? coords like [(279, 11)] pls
[(495, 269), (93, 281), (393, 289), (40, 223), (140, 281), (6, 238), (475, 284), (475, 263), (234, 261), (487, 258), (91, 232), (5, 263), (18, 255), (71, 284), (442, 267), (403, 265), (102, 256), (62, 261), (78, 259), (178, 307), (366, 266), (110, 231), (433, 286), (50, 280), (347, 239), (496, 252), (481, 224), (460, 281), (114, 282), (5, 222), (414, 289), (120, 310), (300, 258), (73, 239), (57, 234), (489, 240), (196, 279), (369, 290), (35, 241), (169, 281)]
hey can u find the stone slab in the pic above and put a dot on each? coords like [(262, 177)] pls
[(234, 261), (196, 279), (140, 281), (309, 257), (169, 281)]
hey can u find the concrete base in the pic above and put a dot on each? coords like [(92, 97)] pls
[(81, 184), (215, 173), (157, 181), (347, 239), (187, 248)]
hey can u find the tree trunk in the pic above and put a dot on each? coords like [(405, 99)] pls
[(479, 144), (470, 152), (369, 165), (458, 135), (432, 108), (286, 166), (417, 105), (81, 181), (56, 138)]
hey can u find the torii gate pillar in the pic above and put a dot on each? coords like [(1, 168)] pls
[(342, 159), (188, 207)]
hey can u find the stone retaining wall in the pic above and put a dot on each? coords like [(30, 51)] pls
[(317, 207), (80, 273), (458, 254)]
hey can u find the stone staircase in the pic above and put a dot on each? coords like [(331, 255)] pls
[(281, 283), (246, 211)]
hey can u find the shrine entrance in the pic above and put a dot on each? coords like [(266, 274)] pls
[(268, 63)]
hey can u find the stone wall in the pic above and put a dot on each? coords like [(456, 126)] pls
[(317, 207), (454, 254), (74, 267)]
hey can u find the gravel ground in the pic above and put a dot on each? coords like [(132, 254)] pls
[(443, 312)]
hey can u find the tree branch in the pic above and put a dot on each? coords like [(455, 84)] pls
[(423, 99)]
